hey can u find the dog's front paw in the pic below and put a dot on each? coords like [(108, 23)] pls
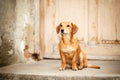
[(80, 67), (74, 68), (63, 66), (61, 69)]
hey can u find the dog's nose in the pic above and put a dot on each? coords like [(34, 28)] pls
[(62, 30)]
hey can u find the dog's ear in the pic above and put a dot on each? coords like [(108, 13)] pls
[(58, 28), (74, 28)]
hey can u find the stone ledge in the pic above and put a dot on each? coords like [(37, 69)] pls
[(49, 70), (90, 57), (13, 76)]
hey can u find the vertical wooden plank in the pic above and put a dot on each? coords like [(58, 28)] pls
[(101, 18), (86, 21), (93, 20), (99, 13), (108, 31), (117, 11), (41, 29), (49, 25)]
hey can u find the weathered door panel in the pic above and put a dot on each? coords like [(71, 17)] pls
[(93, 20), (98, 22), (109, 19)]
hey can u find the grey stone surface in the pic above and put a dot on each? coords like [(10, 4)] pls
[(49, 70), (7, 28)]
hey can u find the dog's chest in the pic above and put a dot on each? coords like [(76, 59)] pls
[(70, 48)]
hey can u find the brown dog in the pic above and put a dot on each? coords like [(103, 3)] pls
[(69, 48)]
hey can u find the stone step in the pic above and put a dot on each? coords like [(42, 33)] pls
[(90, 57), (49, 70)]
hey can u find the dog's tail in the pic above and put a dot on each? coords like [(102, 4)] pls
[(93, 66), (27, 54)]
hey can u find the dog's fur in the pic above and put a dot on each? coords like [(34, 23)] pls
[(69, 48), (34, 56)]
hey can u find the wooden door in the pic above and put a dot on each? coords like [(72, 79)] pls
[(98, 22)]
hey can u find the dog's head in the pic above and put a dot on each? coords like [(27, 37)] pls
[(66, 28)]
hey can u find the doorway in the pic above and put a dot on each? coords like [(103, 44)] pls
[(98, 22)]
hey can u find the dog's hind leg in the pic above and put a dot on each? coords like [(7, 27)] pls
[(81, 61)]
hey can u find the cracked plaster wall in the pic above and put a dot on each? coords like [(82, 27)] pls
[(16, 29)]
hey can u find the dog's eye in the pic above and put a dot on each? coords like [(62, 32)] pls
[(68, 25)]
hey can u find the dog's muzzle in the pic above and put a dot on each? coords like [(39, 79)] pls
[(62, 30)]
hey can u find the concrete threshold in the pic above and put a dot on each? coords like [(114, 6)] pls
[(89, 57), (49, 70)]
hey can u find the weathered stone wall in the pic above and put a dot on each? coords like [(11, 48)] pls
[(7, 28), (16, 29)]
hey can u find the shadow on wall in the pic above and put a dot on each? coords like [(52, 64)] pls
[(7, 28), (7, 54)]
